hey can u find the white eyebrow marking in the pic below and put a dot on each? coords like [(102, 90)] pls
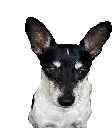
[(57, 64), (78, 65), (67, 52)]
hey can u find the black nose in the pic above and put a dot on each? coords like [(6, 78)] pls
[(66, 100)]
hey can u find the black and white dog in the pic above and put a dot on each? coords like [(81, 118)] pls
[(63, 97)]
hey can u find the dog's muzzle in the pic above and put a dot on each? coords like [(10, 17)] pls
[(66, 101)]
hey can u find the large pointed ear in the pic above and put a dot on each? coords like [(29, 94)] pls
[(39, 36), (96, 38)]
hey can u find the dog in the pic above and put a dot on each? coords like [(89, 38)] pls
[(63, 97)]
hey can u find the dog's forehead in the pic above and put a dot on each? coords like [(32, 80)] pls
[(65, 55), (66, 49), (68, 53)]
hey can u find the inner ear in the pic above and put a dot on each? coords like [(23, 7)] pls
[(96, 38), (38, 35)]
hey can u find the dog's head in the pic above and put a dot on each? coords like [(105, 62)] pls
[(65, 65)]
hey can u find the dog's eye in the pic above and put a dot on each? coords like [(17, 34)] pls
[(83, 70), (80, 70), (50, 69)]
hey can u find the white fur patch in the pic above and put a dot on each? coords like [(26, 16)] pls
[(78, 65), (67, 52), (57, 64)]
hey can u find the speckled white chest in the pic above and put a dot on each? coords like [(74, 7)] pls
[(48, 115)]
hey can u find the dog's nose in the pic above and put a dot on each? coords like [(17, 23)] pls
[(66, 100)]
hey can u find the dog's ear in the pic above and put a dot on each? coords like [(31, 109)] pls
[(38, 35), (96, 38)]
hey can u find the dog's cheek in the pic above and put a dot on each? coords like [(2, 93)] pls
[(54, 92)]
